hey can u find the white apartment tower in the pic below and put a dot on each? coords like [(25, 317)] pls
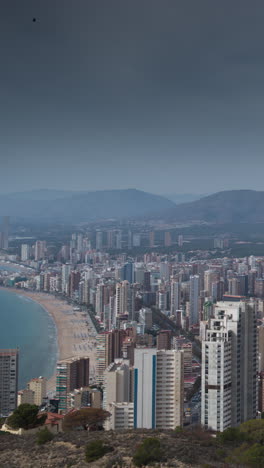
[(229, 366), (169, 389), (65, 274), (158, 388), (25, 252), (117, 392)]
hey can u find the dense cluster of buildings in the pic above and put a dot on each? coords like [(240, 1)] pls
[(163, 323)]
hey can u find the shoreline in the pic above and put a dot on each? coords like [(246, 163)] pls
[(75, 334)]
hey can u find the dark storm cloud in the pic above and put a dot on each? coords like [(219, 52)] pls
[(104, 94)]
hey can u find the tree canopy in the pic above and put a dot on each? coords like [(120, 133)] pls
[(26, 417), (87, 418)]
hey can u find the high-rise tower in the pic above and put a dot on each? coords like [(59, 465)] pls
[(8, 380), (229, 366)]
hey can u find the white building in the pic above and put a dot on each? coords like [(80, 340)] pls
[(122, 416), (158, 388), (145, 367), (65, 274), (25, 252), (169, 389), (229, 365), (117, 393)]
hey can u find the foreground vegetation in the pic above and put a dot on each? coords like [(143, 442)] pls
[(235, 447)]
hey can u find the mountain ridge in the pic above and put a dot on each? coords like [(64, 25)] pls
[(83, 206), (229, 206)]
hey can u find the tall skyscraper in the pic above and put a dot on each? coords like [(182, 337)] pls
[(157, 405), (8, 380), (99, 240), (109, 348), (5, 232), (229, 366), (25, 252), (194, 300), (128, 272), (145, 376), (117, 395), (210, 276), (65, 274), (72, 373), (125, 299), (175, 295), (180, 240), (40, 250), (152, 239), (169, 390), (74, 281), (167, 239)]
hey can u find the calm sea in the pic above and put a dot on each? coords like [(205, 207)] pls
[(25, 324)]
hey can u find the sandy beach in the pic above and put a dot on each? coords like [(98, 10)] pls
[(76, 334)]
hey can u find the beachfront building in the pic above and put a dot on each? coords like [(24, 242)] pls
[(39, 387), (25, 396), (71, 374), (8, 380)]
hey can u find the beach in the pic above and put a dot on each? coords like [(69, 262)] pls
[(76, 334)]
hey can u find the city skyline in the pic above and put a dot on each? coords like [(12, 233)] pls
[(112, 95)]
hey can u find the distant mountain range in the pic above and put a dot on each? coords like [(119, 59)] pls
[(235, 206), (179, 198), (75, 207)]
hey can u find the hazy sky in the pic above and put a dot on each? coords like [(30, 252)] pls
[(162, 95)]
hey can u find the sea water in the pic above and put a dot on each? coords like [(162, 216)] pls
[(26, 325)]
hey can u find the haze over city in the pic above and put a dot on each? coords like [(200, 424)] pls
[(161, 96)]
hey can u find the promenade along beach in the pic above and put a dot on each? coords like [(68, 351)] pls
[(76, 334)]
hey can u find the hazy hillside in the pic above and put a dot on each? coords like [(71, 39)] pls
[(82, 206), (179, 198), (235, 206)]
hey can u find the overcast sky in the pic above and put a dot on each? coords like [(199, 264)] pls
[(162, 95)]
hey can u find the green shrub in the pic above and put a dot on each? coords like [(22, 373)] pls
[(248, 456), (149, 451), (232, 434), (43, 436), (95, 450), (178, 429), (253, 430)]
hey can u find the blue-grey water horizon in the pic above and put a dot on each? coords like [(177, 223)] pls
[(26, 325)]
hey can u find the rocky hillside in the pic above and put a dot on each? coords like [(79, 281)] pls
[(182, 450)]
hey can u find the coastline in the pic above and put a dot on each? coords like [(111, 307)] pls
[(74, 331)]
